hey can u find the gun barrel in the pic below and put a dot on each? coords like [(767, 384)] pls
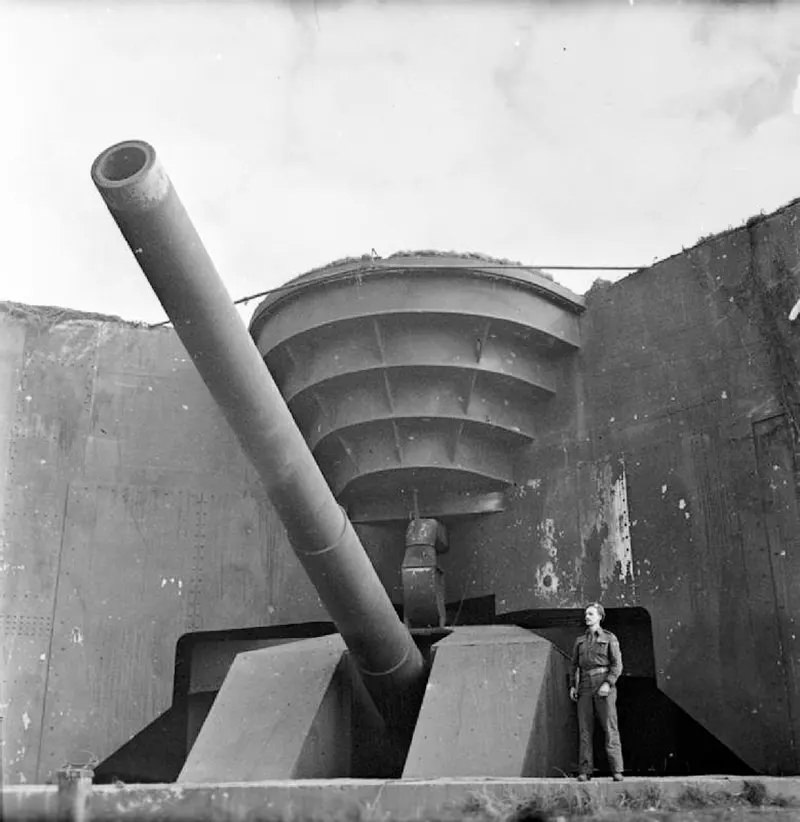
[(155, 225)]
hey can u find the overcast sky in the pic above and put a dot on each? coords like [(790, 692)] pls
[(590, 134)]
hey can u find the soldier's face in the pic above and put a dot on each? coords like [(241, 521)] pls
[(592, 617)]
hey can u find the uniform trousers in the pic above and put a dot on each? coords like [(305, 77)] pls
[(605, 708)]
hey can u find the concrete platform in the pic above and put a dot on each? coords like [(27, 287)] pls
[(407, 799)]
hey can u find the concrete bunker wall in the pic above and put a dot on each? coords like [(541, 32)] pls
[(663, 476), (129, 517)]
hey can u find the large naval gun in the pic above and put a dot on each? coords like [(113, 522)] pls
[(395, 398)]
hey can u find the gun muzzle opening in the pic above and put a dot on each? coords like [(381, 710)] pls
[(129, 176), (120, 163)]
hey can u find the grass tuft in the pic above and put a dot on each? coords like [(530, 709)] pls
[(567, 802), (563, 802), (755, 793), (486, 805), (694, 796), (648, 799)]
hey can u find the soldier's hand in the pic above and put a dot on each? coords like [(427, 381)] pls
[(573, 694), (604, 689)]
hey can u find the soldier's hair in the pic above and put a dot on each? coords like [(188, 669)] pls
[(600, 609)]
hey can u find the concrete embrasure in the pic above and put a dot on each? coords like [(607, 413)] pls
[(378, 799)]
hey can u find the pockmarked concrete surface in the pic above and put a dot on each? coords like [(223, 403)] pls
[(407, 799)]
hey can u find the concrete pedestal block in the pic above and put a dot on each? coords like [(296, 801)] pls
[(496, 705), (282, 713)]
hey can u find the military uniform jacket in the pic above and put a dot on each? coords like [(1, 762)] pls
[(599, 651)]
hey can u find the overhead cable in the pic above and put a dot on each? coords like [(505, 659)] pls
[(301, 282)]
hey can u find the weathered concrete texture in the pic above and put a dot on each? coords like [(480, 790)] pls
[(128, 516), (381, 799), (665, 477), (496, 704), (282, 712), (684, 392)]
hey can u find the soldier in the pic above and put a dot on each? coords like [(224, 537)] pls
[(596, 666)]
